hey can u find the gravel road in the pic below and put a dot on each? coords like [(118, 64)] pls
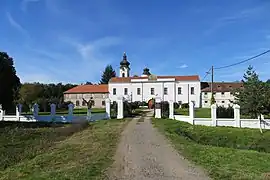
[(144, 154)]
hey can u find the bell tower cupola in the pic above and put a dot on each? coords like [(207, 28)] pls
[(124, 66)]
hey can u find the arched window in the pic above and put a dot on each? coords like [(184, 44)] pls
[(77, 103), (123, 74)]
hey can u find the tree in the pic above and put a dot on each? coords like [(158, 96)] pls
[(88, 83), (252, 98), (107, 75), (9, 82)]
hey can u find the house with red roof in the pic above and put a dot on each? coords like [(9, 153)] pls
[(98, 94)]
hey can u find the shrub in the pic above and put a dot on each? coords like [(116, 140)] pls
[(113, 110), (165, 109), (249, 139), (185, 105), (176, 105), (223, 112)]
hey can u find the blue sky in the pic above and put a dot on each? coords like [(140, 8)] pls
[(72, 41)]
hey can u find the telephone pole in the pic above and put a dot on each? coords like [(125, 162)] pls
[(212, 79)]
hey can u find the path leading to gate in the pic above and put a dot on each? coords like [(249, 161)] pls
[(144, 154)]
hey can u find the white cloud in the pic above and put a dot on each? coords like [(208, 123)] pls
[(15, 24), (183, 66), (25, 3)]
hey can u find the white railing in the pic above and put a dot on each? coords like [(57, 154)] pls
[(236, 121)]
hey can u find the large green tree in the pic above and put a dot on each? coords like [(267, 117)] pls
[(107, 75), (253, 97), (9, 82)]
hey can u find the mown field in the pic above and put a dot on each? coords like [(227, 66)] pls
[(224, 152), (77, 151)]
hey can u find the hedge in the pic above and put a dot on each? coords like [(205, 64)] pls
[(244, 138)]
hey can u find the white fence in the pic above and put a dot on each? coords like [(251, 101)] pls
[(214, 121), (52, 117)]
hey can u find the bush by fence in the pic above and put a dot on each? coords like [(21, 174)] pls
[(129, 108), (113, 109), (165, 109), (185, 106), (223, 112), (176, 105), (249, 139)]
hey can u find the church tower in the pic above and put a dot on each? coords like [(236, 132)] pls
[(124, 67)]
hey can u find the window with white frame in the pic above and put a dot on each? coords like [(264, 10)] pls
[(138, 91), (165, 91), (152, 91), (179, 90), (114, 91), (192, 90), (126, 91)]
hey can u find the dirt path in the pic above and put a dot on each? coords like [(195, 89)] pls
[(144, 153)]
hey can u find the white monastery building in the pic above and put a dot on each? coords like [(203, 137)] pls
[(222, 91), (181, 89)]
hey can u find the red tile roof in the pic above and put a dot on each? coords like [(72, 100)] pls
[(103, 88), (177, 78), (221, 86)]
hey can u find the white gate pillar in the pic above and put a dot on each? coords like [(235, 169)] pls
[(214, 114), (1, 113), (17, 113), (158, 107), (191, 112), (35, 110), (70, 111), (108, 108), (120, 108), (171, 110), (236, 110), (53, 110)]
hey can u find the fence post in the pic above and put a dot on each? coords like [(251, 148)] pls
[(35, 110), (108, 108), (214, 114), (17, 113), (191, 112), (120, 108), (158, 108), (236, 110), (171, 110), (1, 113), (70, 111), (53, 109)]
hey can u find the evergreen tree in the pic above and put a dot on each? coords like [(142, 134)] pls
[(252, 98), (107, 75), (9, 82)]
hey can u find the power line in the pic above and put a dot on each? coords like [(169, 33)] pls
[(208, 72), (265, 52)]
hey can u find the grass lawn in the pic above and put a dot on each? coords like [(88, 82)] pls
[(220, 163), (75, 111), (198, 112), (84, 155)]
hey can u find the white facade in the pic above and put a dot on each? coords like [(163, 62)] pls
[(168, 89), (222, 99)]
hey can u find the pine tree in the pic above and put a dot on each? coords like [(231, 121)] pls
[(107, 75), (252, 97)]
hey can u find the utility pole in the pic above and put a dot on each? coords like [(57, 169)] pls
[(212, 79)]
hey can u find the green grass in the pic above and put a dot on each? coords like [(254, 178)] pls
[(75, 111), (198, 112), (220, 163), (84, 155)]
